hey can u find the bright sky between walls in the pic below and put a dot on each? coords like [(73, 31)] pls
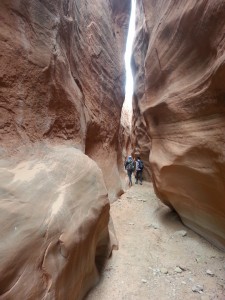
[(127, 107)]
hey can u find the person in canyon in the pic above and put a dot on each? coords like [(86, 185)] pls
[(139, 170), (130, 167)]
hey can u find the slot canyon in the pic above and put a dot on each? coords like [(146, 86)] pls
[(68, 218)]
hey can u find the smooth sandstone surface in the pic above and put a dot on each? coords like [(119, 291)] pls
[(179, 91), (140, 139), (62, 76), (61, 85), (54, 224)]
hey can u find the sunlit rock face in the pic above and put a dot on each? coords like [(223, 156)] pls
[(62, 76), (54, 224), (180, 93)]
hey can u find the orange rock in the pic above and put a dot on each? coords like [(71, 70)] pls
[(61, 83), (179, 63), (62, 76), (54, 224)]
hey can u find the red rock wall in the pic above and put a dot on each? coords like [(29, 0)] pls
[(125, 147), (180, 92), (140, 139), (61, 85), (62, 76)]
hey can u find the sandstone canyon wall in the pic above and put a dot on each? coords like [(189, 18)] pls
[(61, 89), (180, 93), (62, 76), (140, 139)]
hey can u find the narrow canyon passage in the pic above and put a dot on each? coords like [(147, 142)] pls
[(158, 257), (65, 133)]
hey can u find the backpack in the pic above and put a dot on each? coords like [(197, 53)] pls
[(130, 166), (140, 165)]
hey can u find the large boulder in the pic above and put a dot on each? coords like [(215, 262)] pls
[(54, 223), (180, 93)]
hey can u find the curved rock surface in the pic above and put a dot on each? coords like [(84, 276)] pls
[(62, 76), (61, 83), (54, 224), (140, 138), (180, 93)]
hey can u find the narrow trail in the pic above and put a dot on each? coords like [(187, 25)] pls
[(158, 257)]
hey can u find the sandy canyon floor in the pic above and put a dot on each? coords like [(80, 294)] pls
[(158, 257)]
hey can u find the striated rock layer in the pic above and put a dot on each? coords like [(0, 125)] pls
[(61, 84), (180, 93)]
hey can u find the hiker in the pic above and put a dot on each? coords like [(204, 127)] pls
[(129, 166), (139, 170)]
